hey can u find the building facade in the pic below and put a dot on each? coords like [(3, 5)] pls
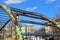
[(53, 30)]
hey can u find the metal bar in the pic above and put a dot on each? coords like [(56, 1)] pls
[(27, 21), (31, 16), (18, 11), (9, 12), (36, 34), (36, 14), (5, 24)]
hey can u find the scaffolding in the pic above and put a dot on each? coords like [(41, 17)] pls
[(8, 14)]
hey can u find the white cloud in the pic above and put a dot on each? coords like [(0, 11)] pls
[(33, 8), (29, 9), (14, 1), (50, 1)]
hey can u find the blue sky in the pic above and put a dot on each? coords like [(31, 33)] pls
[(47, 7)]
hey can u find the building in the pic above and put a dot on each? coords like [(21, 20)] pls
[(53, 30), (49, 29), (28, 28)]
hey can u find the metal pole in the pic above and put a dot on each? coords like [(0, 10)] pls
[(18, 30)]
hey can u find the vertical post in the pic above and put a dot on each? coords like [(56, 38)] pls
[(19, 31), (15, 24), (11, 32)]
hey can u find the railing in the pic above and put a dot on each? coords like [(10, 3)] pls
[(36, 34)]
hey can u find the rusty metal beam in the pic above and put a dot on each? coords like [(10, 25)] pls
[(27, 21), (31, 16), (36, 14), (8, 10)]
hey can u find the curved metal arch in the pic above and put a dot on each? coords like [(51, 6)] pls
[(34, 14), (24, 13)]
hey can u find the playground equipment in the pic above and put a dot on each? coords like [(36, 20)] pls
[(14, 13)]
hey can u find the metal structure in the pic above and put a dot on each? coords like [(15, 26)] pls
[(37, 34), (18, 33), (13, 13)]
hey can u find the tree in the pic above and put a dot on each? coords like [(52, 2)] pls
[(40, 30), (57, 17)]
